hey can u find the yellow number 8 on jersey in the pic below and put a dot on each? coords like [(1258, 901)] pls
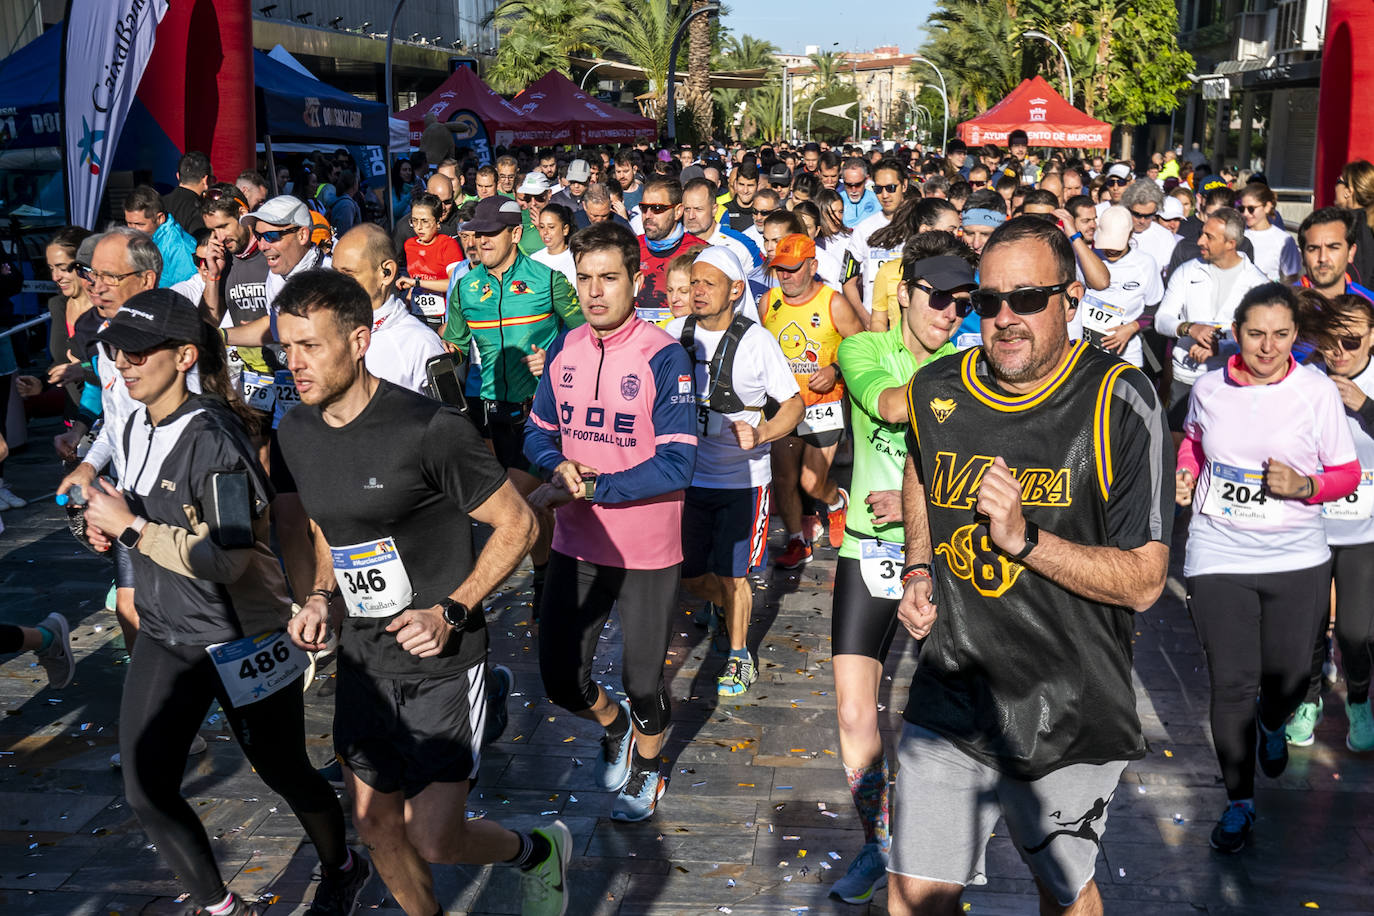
[(971, 556)]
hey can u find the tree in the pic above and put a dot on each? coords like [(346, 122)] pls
[(697, 91), (741, 53), (827, 64), (641, 32), (539, 36)]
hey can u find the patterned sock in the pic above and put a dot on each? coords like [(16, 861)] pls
[(741, 654), (868, 786)]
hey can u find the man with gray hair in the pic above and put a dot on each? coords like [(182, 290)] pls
[(1198, 305), (1144, 198), (598, 207)]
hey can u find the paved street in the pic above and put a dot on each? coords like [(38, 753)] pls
[(757, 819)]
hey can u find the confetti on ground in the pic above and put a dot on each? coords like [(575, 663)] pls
[(829, 814), (1121, 872), (746, 785), (1168, 753), (1312, 905), (834, 855)]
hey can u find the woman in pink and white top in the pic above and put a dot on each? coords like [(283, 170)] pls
[(1266, 442)]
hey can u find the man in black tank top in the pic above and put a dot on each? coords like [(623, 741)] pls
[(1037, 521)]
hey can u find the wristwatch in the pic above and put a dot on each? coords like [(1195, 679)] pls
[(129, 536), (455, 613), (1032, 541)]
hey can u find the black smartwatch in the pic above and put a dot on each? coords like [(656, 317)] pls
[(129, 536), (455, 613), (1032, 541)]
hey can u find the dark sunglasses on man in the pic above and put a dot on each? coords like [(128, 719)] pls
[(1027, 300)]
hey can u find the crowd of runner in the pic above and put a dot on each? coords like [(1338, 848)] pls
[(297, 431)]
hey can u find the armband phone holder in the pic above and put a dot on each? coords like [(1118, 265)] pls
[(229, 512), (446, 376)]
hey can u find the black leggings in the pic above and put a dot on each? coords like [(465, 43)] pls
[(1353, 569), (1256, 630), (578, 597), (859, 623), (166, 693)]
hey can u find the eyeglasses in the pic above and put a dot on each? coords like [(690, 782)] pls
[(940, 299), (141, 357), (109, 279), (655, 208), (1252, 208), (421, 222), (886, 188), (1138, 215), (1027, 300)]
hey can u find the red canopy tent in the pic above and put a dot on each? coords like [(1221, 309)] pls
[(555, 96), (1043, 114), (505, 123)]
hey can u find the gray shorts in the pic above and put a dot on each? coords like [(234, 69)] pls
[(947, 804)]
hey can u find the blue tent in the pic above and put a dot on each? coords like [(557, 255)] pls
[(30, 115), (294, 108)]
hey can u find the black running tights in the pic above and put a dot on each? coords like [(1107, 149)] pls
[(1256, 631), (166, 694), (1353, 569)]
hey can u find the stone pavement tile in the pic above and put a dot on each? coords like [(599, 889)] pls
[(778, 845), (677, 843), (28, 813), (66, 903)]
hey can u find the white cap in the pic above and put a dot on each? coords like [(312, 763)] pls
[(535, 183), (283, 210), (1113, 229), (1171, 209), (579, 171), (1120, 170)]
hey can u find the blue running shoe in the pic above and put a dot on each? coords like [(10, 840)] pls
[(615, 756), (1233, 829), (638, 799), (866, 874), (1273, 750)]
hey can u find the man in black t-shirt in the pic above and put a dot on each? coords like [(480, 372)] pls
[(183, 201), (390, 479), (1037, 518)]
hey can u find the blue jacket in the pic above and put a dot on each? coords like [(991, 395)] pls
[(178, 252)]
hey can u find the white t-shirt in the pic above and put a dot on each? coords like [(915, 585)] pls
[(759, 372), (1158, 243), (1236, 527), (401, 345), (869, 258), (561, 262), (1275, 252), (1135, 285), (1344, 524)]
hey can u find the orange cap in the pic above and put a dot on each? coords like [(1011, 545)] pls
[(320, 231), (792, 250)]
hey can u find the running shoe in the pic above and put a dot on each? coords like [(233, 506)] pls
[(812, 528), (110, 597), (57, 660), (500, 683), (1360, 737), (338, 892), (1300, 729), (240, 908), (614, 765), (8, 500), (837, 520), (736, 676), (639, 798), (1233, 828), (1273, 750), (797, 554), (544, 886), (866, 874)]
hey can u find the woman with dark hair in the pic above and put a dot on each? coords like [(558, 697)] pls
[(1265, 444), (213, 603), (1343, 334), (402, 185)]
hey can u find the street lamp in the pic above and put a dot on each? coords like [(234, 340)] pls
[(1068, 74), (589, 72), (944, 96), (712, 7)]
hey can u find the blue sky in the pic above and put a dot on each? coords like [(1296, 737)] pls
[(855, 24)]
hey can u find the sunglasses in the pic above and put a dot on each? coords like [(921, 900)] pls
[(855, 185), (1349, 344), (942, 299), (141, 357), (1028, 300), (202, 263), (886, 188), (1253, 208), (218, 194), (274, 235), (1116, 182), (1138, 215), (655, 208), (977, 184)]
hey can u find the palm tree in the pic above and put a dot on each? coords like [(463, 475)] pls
[(741, 53), (974, 44), (538, 36), (827, 64), (763, 114), (697, 91), (641, 31)]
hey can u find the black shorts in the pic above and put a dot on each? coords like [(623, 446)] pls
[(821, 440), (504, 425), (859, 623), (1179, 393), (403, 734), (724, 531), (278, 472)]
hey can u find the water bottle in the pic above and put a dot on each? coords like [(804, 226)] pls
[(74, 501)]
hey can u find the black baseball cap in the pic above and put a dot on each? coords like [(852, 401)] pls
[(944, 272), (494, 214), (779, 174), (152, 318)]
